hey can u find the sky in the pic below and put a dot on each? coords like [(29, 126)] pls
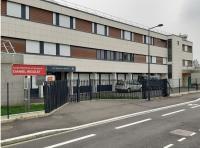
[(178, 16)]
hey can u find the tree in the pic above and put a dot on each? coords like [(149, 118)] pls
[(196, 64)]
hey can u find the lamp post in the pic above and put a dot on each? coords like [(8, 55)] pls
[(149, 57)]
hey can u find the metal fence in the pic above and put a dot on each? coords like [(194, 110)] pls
[(15, 100), (60, 92), (183, 85)]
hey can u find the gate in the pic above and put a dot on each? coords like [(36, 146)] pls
[(156, 88), (56, 94)]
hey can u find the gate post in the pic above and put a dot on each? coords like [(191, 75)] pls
[(90, 85), (165, 88), (78, 90), (144, 85)]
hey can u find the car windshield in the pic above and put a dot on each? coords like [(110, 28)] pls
[(120, 82)]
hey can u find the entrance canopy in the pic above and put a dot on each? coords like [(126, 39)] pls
[(52, 68)]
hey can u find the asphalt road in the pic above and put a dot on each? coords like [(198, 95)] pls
[(177, 127)]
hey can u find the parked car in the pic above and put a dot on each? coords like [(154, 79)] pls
[(128, 86)]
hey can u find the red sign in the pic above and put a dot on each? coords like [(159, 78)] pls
[(28, 70)]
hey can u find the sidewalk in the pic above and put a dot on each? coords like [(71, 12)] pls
[(75, 114)]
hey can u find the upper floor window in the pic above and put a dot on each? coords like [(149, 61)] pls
[(33, 47), (100, 29), (126, 35), (148, 40), (17, 10), (64, 21)]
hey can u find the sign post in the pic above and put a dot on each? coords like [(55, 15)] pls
[(27, 71)]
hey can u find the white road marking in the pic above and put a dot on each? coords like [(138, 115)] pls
[(195, 106), (175, 112), (134, 123), (193, 134), (34, 136), (71, 141), (168, 146), (182, 139), (192, 104)]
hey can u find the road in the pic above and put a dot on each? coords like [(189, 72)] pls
[(177, 127)]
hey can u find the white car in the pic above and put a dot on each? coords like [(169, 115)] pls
[(128, 86)]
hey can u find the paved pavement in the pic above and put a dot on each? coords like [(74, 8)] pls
[(85, 112), (176, 127)]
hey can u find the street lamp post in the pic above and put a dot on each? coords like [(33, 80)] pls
[(149, 57)]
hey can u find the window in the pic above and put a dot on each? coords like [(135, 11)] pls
[(112, 56), (117, 56), (102, 55), (98, 54), (17, 10), (153, 60), (183, 47), (169, 71), (170, 50), (190, 49), (64, 50), (49, 48), (32, 47), (125, 56), (120, 56), (64, 21), (126, 35), (108, 55), (100, 29), (148, 40)]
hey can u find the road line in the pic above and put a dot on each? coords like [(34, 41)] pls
[(195, 106), (182, 139), (193, 134), (175, 112), (71, 141), (134, 123), (53, 132), (168, 146)]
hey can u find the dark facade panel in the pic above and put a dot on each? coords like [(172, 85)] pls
[(19, 45), (80, 52), (159, 60), (139, 58), (83, 25), (114, 32), (138, 38), (3, 7), (41, 16)]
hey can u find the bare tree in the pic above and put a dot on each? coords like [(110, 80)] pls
[(196, 64)]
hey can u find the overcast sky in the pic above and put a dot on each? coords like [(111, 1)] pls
[(178, 16)]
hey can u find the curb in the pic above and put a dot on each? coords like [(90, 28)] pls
[(29, 115), (55, 131)]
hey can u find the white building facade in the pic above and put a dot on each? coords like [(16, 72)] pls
[(89, 46)]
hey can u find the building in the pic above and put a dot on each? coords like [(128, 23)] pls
[(78, 44)]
